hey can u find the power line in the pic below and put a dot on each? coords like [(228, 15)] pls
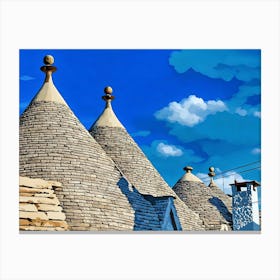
[(250, 169), (238, 167), (244, 171), (221, 176)]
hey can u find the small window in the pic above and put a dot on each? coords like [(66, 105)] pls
[(241, 189)]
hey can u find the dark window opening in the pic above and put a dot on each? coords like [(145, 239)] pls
[(173, 220)]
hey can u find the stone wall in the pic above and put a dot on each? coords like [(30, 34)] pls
[(39, 207)]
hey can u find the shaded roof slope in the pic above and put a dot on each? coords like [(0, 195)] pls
[(39, 207), (218, 193), (120, 146), (200, 199), (55, 146)]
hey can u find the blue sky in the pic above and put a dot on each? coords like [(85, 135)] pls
[(183, 107)]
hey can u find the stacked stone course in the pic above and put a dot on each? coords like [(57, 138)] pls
[(107, 182), (54, 145), (217, 192), (39, 208), (127, 155), (200, 199)]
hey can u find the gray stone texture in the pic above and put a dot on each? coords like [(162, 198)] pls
[(54, 145), (208, 203), (139, 171), (146, 216), (217, 192)]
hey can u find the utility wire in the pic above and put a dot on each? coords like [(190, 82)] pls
[(241, 166), (222, 176)]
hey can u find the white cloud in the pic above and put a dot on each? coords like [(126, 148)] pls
[(257, 114), (190, 111), (256, 151), (238, 102), (241, 112), (224, 64), (26, 78), (169, 150), (222, 182)]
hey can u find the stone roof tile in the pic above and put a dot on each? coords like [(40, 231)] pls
[(140, 172), (55, 146), (211, 207)]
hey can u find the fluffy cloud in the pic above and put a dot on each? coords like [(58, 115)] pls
[(226, 64), (239, 101), (241, 112), (223, 182), (190, 111), (222, 126), (223, 64), (171, 168), (169, 150)]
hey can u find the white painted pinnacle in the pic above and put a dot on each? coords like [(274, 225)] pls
[(108, 117), (188, 176), (48, 92)]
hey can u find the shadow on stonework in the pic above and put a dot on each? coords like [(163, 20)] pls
[(221, 207), (145, 217)]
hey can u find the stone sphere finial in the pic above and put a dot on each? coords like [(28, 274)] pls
[(212, 173), (108, 90), (211, 169), (108, 97), (48, 59)]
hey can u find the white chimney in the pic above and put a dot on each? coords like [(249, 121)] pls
[(245, 206)]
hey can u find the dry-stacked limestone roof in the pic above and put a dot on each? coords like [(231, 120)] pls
[(39, 207), (119, 145), (209, 205), (54, 145), (220, 196)]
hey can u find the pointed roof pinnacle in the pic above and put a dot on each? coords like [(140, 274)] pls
[(211, 174), (188, 176), (108, 117), (48, 91)]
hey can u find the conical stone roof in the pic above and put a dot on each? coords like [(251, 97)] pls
[(198, 197), (119, 145), (55, 146), (218, 193)]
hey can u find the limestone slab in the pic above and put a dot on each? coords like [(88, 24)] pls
[(56, 215), (33, 215), (27, 207)]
